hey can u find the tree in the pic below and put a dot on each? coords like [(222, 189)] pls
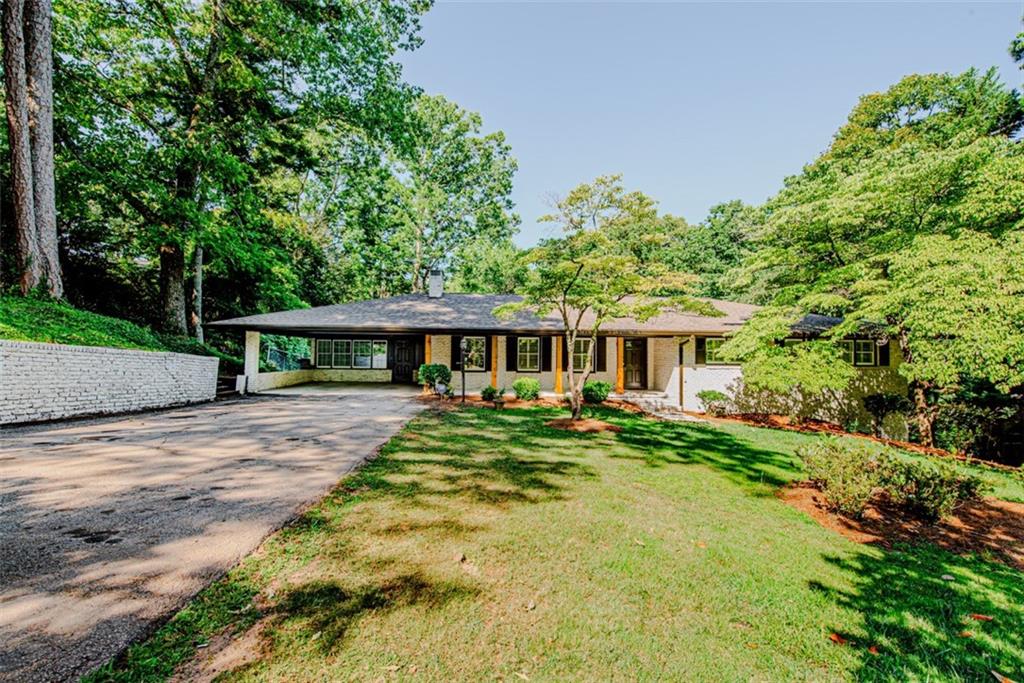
[(714, 247), (884, 230), (28, 82), (600, 269), (488, 267), (185, 109), (1017, 49)]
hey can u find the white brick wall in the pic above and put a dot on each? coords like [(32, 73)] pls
[(51, 381)]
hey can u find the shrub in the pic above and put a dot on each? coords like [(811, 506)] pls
[(715, 402), (432, 373), (882, 405), (489, 393), (596, 392), (846, 474), (931, 490), (526, 388)]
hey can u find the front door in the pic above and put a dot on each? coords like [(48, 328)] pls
[(405, 361), (635, 363)]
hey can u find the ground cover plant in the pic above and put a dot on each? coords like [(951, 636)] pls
[(484, 545)]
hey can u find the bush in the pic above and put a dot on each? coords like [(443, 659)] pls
[(432, 373), (930, 490), (489, 393), (526, 388), (715, 402), (846, 474), (596, 392), (881, 405)]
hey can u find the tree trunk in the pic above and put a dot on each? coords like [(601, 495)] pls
[(39, 79), (417, 264), (197, 294), (923, 414), (172, 289), (30, 262)]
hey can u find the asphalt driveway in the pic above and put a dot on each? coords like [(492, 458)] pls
[(107, 527)]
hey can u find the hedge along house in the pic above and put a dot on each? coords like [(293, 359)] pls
[(666, 360)]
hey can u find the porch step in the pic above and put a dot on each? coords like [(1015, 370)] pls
[(226, 386), (657, 404)]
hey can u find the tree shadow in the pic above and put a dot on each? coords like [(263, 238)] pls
[(917, 603)]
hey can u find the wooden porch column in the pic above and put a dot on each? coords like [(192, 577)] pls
[(426, 349), (494, 361), (620, 367), (558, 366)]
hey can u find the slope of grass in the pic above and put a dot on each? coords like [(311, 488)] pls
[(40, 320), (483, 545)]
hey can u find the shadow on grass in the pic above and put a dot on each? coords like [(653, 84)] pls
[(921, 623)]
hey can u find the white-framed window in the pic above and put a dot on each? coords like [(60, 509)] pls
[(864, 351), (712, 350), (323, 353), (579, 353), (342, 356), (380, 353), (362, 353), (528, 352), (476, 353), (847, 346)]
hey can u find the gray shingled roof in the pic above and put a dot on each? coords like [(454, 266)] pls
[(468, 313)]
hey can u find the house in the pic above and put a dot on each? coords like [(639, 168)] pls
[(671, 357)]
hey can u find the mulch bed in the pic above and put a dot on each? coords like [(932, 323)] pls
[(822, 427), (987, 525), (584, 426)]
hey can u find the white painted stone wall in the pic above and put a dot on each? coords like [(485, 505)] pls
[(266, 381), (40, 382)]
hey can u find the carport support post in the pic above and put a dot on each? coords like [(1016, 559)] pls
[(252, 358)]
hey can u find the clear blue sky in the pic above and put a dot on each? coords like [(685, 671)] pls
[(695, 103)]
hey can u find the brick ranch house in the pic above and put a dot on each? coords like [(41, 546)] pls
[(666, 360)]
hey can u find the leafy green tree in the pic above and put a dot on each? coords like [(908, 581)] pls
[(600, 269), (920, 178), (488, 267), (178, 111), (714, 247)]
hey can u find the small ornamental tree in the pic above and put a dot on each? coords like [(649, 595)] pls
[(603, 268)]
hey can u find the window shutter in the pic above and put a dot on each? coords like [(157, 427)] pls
[(511, 353), (565, 355), (701, 351), (883, 355), (545, 354), (488, 352), (456, 355), (602, 354)]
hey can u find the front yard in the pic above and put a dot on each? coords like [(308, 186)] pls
[(483, 545)]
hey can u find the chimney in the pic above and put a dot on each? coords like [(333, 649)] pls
[(435, 286)]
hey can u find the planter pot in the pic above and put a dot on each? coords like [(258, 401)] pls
[(499, 403), (440, 388)]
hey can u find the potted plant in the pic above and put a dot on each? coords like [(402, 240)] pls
[(436, 377), (495, 396)]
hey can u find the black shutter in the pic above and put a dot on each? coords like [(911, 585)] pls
[(883, 355), (565, 355), (545, 354), (511, 353), (456, 355), (602, 354), (488, 352), (701, 351)]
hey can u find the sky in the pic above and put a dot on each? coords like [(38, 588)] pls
[(694, 103)]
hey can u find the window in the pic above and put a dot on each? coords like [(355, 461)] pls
[(323, 353), (847, 347), (579, 353), (342, 353), (476, 352), (529, 354), (712, 346), (864, 352), (362, 353), (380, 353)]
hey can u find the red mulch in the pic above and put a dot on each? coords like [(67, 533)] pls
[(990, 524), (584, 426), (821, 427)]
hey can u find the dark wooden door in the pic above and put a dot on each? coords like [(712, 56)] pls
[(635, 363), (405, 361)]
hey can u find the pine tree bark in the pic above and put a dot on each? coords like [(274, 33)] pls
[(172, 289), (30, 262), (39, 80)]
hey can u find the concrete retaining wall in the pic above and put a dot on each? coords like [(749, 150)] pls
[(40, 382)]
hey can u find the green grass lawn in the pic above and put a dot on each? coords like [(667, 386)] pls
[(52, 322), (482, 545)]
